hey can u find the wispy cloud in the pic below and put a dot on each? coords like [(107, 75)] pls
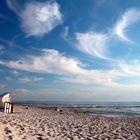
[(22, 91), (97, 44), (65, 33), (131, 69), (95, 77), (92, 43), (30, 79), (68, 69), (14, 6), (46, 63), (3, 17), (16, 73), (38, 18), (130, 17), (9, 43)]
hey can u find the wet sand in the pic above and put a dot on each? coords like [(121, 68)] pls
[(31, 123)]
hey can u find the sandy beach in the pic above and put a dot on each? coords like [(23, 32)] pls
[(31, 123)]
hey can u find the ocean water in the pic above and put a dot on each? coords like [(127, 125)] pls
[(113, 109)]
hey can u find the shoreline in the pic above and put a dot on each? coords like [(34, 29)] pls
[(36, 123), (72, 109)]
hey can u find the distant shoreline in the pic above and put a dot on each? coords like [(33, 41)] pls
[(105, 109)]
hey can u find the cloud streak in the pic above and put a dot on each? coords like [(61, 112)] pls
[(92, 43), (96, 44), (22, 91), (68, 69), (14, 6), (131, 68), (3, 17), (30, 79), (46, 63), (130, 17)]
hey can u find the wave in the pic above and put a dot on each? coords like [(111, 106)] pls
[(126, 109)]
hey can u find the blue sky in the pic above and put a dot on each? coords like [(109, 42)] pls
[(73, 50)]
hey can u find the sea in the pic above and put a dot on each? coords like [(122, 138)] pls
[(109, 109)]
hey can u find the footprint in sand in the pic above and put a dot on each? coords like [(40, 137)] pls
[(8, 133), (7, 130)]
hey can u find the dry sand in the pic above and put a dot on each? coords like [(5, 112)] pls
[(44, 124), (2, 126)]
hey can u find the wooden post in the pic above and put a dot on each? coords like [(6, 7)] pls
[(8, 107)]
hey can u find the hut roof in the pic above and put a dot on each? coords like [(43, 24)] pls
[(1, 95), (7, 98)]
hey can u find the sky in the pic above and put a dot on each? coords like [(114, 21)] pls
[(70, 50)]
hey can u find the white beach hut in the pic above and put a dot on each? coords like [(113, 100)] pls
[(7, 102), (1, 103)]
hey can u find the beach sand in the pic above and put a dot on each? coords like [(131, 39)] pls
[(2, 126), (31, 123)]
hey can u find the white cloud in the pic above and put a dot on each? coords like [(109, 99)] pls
[(16, 73), (92, 43), (21, 91), (65, 33), (69, 69), (32, 79), (128, 18), (40, 18), (131, 69), (97, 44), (94, 77), (51, 61)]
